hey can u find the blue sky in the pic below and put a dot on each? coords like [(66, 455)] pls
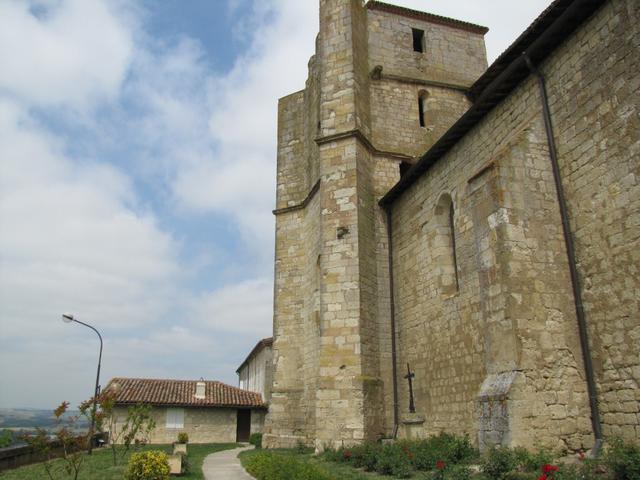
[(137, 179)]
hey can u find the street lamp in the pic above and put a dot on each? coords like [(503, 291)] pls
[(68, 318)]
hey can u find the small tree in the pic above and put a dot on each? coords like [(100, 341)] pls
[(135, 429), (67, 438), (41, 444)]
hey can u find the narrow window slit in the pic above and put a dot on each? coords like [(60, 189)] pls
[(453, 246), (418, 40)]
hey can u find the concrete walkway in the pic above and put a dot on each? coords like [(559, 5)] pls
[(225, 465)]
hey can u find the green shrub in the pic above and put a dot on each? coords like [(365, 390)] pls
[(359, 456), (271, 466), (392, 459), (149, 465), (623, 460), (444, 447), (183, 437), (256, 440), (406, 455), (457, 472), (521, 476), (333, 455), (498, 462), (532, 461), (368, 458), (585, 470)]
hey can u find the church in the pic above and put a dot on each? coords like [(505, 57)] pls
[(457, 244)]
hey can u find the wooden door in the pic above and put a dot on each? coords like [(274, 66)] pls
[(244, 425)]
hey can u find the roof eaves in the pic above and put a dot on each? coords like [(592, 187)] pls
[(554, 25), (265, 342), (133, 391), (429, 17)]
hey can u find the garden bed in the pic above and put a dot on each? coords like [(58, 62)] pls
[(444, 457)]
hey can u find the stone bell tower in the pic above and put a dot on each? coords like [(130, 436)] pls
[(374, 99)]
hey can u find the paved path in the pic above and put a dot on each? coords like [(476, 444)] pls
[(225, 465)]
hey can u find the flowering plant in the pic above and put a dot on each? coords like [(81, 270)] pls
[(548, 472), (439, 473)]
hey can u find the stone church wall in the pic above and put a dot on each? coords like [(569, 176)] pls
[(485, 311), (498, 355), (340, 144), (595, 103)]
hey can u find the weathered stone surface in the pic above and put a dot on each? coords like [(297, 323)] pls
[(484, 307), (203, 425), (332, 339)]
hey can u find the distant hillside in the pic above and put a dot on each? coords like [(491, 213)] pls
[(32, 418)]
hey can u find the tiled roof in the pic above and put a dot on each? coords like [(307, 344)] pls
[(265, 342), (181, 393), (429, 17)]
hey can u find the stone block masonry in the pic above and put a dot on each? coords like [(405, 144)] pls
[(347, 133), (484, 309)]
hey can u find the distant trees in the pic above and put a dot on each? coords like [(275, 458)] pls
[(6, 438)]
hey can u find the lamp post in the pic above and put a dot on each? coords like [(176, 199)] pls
[(68, 319)]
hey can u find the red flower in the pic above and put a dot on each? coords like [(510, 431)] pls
[(549, 468), (542, 477), (347, 454), (440, 465)]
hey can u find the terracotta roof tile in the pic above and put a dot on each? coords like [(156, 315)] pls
[(181, 393)]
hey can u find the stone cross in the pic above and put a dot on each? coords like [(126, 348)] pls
[(410, 376)]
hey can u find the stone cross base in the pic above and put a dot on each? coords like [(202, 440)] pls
[(412, 426), (179, 448)]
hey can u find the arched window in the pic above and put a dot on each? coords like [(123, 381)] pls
[(444, 247), (422, 105)]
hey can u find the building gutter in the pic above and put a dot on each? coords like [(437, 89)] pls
[(569, 244), (392, 311)]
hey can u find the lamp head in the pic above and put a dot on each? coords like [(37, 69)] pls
[(67, 318)]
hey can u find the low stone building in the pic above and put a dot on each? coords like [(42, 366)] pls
[(255, 373), (208, 411)]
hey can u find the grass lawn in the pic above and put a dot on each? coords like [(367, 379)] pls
[(99, 466)]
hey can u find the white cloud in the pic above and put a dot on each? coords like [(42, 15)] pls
[(239, 177), (78, 235), (244, 307), (73, 237), (56, 57)]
